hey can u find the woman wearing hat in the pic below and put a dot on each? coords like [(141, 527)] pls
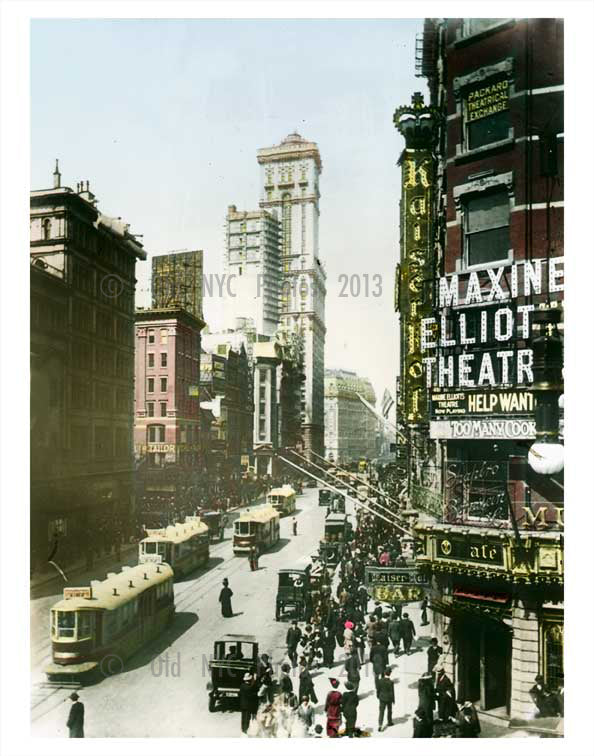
[(348, 637), (76, 718), (225, 599), (333, 709)]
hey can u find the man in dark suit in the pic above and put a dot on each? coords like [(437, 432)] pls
[(433, 653), (407, 632), (293, 638), (446, 696), (248, 701), (385, 692), (76, 718), (350, 702), (353, 669), (378, 657)]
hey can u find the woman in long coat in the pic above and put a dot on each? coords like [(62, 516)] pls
[(333, 709), (225, 599)]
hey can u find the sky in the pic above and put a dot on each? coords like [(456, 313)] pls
[(164, 118)]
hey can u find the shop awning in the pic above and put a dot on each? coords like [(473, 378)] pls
[(469, 611)]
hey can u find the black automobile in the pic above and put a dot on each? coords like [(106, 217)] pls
[(234, 656), (311, 483), (215, 522), (293, 596), (338, 503), (324, 497), (337, 532)]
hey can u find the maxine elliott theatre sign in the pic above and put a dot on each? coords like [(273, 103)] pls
[(488, 297)]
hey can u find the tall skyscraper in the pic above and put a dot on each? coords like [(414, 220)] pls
[(177, 281), (252, 258), (289, 182)]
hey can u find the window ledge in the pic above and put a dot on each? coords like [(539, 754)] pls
[(487, 149), (477, 36)]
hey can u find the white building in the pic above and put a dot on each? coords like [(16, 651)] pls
[(252, 262), (350, 428), (289, 182)]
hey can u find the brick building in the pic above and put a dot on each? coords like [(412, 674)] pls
[(493, 178), (82, 371), (167, 409)]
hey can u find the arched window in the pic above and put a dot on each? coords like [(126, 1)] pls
[(47, 228)]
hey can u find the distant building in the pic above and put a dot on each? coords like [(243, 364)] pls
[(351, 428), (289, 182), (82, 373), (167, 408), (177, 281), (253, 265)]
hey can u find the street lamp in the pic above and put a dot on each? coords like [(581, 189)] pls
[(546, 455)]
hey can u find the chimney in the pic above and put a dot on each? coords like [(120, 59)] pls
[(57, 176)]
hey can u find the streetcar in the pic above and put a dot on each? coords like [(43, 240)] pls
[(215, 521), (95, 628), (344, 479), (257, 527), (282, 499), (184, 545)]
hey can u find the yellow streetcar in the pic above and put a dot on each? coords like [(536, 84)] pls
[(185, 546)]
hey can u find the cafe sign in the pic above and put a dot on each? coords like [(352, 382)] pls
[(403, 576), (469, 550)]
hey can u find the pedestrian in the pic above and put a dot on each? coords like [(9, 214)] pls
[(422, 728), (248, 701), (328, 644), (544, 700), (292, 640), (306, 686), (467, 721), (407, 632), (394, 632), (285, 683), (294, 526), (385, 693), (225, 599), (333, 709), (348, 637), (253, 558), (424, 607), (433, 653), (319, 731), (353, 669), (350, 702), (379, 661), (305, 712), (76, 718), (427, 696), (446, 698)]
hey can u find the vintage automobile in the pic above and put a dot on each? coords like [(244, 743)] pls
[(293, 594), (337, 532), (233, 657), (324, 497), (311, 483)]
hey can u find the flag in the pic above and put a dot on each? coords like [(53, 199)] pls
[(387, 403)]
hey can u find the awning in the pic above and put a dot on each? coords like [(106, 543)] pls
[(469, 611), (473, 595)]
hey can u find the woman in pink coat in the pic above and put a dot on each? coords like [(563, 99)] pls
[(348, 637)]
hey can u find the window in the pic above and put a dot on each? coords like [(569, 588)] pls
[(472, 26), (123, 446), (151, 337), (163, 409), (150, 409), (486, 228), (151, 359), (151, 386), (163, 385), (66, 624), (553, 654), (163, 359), (47, 228), (163, 335), (79, 441), (182, 434), (486, 113), (156, 433), (103, 442)]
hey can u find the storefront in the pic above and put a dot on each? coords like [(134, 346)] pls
[(497, 606)]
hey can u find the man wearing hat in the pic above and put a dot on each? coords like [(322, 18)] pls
[(292, 640), (248, 701), (467, 721), (350, 701), (76, 718), (446, 698), (385, 693)]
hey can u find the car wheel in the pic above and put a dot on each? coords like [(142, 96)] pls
[(212, 703)]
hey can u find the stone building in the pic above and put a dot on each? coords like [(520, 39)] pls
[(290, 190), (177, 281), (483, 200), (350, 427), (82, 374)]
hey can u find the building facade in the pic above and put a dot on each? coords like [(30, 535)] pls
[(167, 426), (82, 373), (492, 170), (350, 427), (290, 190), (253, 265)]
